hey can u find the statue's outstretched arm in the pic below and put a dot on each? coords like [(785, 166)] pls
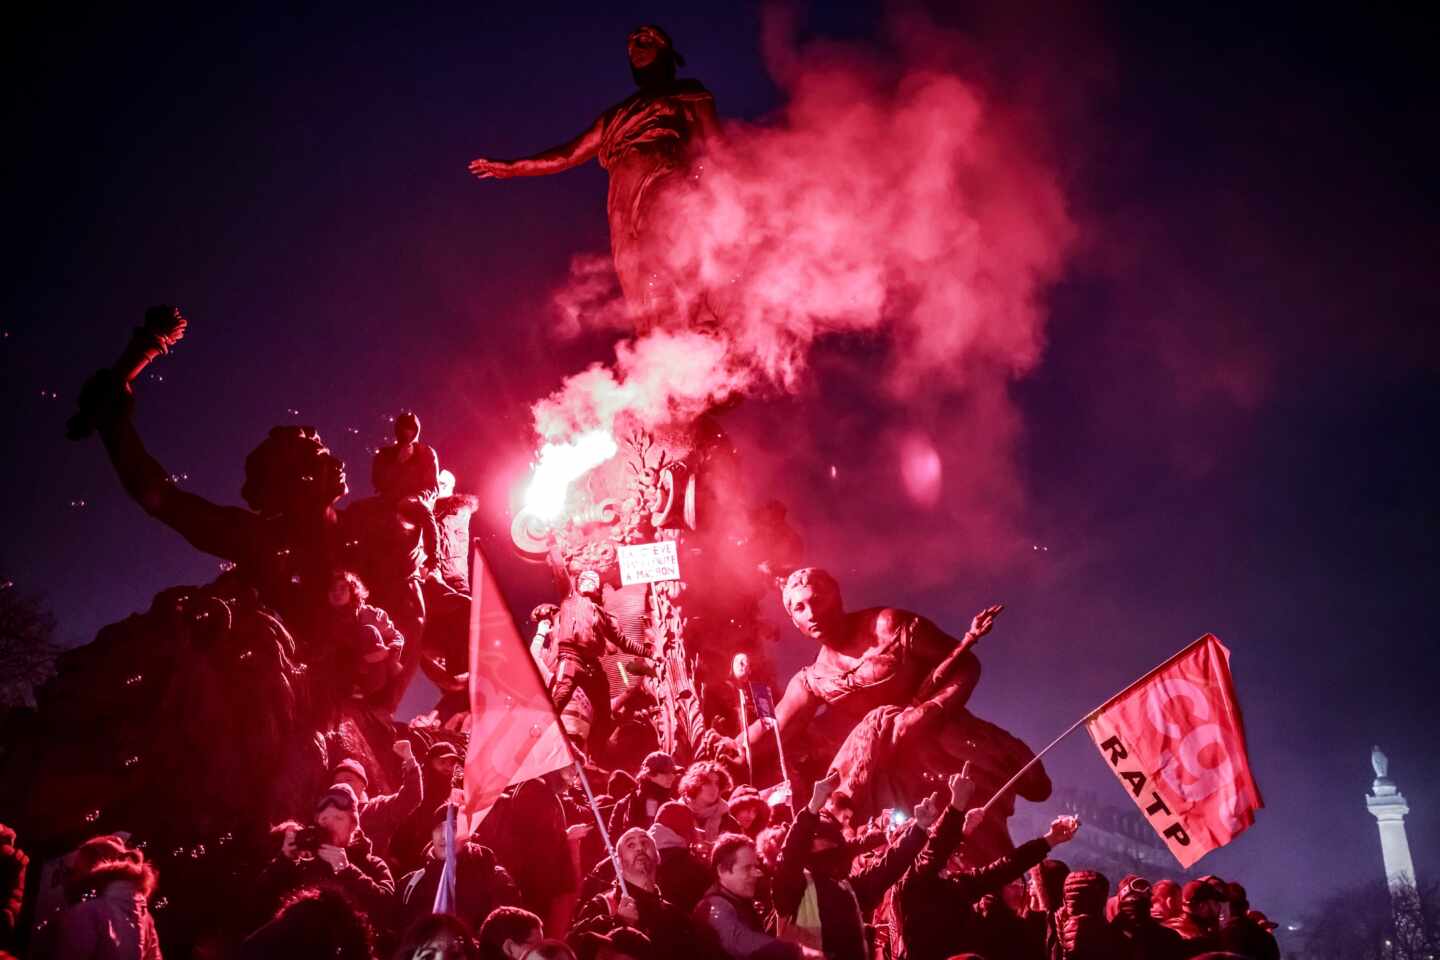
[(221, 531), (107, 407), (555, 160)]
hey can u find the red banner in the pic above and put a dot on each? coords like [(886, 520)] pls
[(514, 734), (1176, 741)]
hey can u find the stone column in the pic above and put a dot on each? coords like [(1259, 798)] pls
[(1387, 805)]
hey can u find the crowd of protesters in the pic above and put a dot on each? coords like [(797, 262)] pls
[(666, 862), (701, 869)]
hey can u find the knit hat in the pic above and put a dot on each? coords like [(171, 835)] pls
[(658, 764), (677, 817), (354, 766), (1085, 892), (745, 796), (1197, 890)]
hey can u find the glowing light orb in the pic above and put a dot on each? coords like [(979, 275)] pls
[(559, 465)]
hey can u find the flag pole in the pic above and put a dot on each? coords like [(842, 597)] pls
[(600, 823), (1078, 723)]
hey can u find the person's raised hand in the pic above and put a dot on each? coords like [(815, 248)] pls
[(973, 819), (404, 749), (984, 620), (927, 811), (1062, 829), (578, 831), (820, 793), (961, 790)]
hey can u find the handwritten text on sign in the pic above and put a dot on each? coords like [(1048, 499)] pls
[(649, 562)]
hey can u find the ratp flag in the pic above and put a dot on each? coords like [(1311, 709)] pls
[(1176, 742), (514, 734)]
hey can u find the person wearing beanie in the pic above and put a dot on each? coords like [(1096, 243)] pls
[(1242, 933), (114, 923), (933, 902), (334, 853), (654, 786), (1165, 900), (1199, 911), (683, 875), (821, 896), (750, 810), (481, 883), (383, 815)]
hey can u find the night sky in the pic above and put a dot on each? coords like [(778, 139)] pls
[(1232, 429)]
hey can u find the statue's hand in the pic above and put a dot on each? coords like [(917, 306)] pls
[(484, 169), (915, 721), (984, 620), (166, 324)]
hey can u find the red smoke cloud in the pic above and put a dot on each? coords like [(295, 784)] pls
[(897, 201)]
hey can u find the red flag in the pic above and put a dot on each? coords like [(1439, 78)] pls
[(1176, 741), (514, 733)]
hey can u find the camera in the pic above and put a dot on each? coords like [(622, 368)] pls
[(309, 839)]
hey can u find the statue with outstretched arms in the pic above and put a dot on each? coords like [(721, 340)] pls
[(649, 144)]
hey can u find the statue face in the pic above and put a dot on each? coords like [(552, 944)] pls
[(644, 47), (815, 613)]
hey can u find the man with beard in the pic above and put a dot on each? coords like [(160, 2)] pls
[(649, 143), (822, 903), (641, 905)]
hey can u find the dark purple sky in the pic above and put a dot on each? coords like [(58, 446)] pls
[(1233, 428)]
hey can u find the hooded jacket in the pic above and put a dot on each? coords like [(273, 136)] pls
[(114, 925)]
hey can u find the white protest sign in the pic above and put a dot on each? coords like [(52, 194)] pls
[(649, 562)]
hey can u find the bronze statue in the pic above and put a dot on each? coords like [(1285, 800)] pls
[(649, 143), (894, 687)]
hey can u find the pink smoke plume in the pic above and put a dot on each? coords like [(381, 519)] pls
[(900, 202)]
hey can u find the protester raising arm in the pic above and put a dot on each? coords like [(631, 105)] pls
[(788, 886)]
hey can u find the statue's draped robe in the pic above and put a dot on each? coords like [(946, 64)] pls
[(647, 145)]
